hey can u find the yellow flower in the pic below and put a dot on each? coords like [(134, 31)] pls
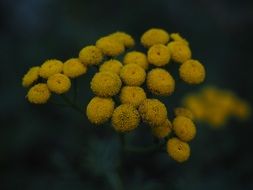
[(74, 68), (184, 128), (241, 109), (99, 110), (58, 83), (153, 112), (38, 94), (133, 95), (133, 75), (159, 55), (110, 46), (183, 112), (105, 84), (112, 65), (178, 150), (123, 38), (154, 36), (50, 67), (125, 118), (160, 82), (178, 38), (180, 52), (163, 130), (91, 55), (192, 72), (136, 57), (31, 76)]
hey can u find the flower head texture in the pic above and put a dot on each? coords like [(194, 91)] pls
[(31, 76), (154, 36), (158, 55), (178, 150), (125, 118), (192, 72), (91, 55), (180, 111), (133, 95), (99, 110), (133, 75), (136, 57), (153, 112), (177, 37), (160, 82), (184, 128), (123, 38), (74, 68), (112, 65), (180, 52), (105, 84), (38, 94), (59, 83), (163, 130), (50, 67)]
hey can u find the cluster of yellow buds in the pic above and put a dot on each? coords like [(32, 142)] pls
[(215, 106), (126, 79)]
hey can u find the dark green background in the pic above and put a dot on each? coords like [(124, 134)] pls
[(50, 147)]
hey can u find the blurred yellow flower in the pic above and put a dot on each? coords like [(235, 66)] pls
[(123, 38), (50, 67), (31, 76), (163, 130), (178, 150), (154, 36), (74, 68), (59, 83), (38, 94), (177, 37), (180, 52), (180, 111), (91, 55)]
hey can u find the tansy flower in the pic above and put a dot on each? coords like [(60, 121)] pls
[(31, 76), (105, 84), (160, 82), (38, 94), (180, 52), (133, 95), (136, 57), (50, 67), (123, 38), (153, 112), (125, 118), (163, 130), (91, 55), (74, 68), (112, 65), (158, 55), (99, 110), (177, 37), (183, 112), (184, 128), (154, 36), (58, 83), (192, 72), (195, 104), (110, 46), (178, 150), (133, 75)]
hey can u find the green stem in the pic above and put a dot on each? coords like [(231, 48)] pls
[(72, 104)]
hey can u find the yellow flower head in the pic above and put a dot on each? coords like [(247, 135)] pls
[(58, 83), (31, 76), (74, 68), (125, 118), (160, 82), (178, 150), (105, 84), (112, 65), (241, 109), (133, 95), (184, 128), (110, 46), (159, 55), (196, 106), (123, 38), (136, 57), (91, 55), (154, 36), (38, 94), (133, 75), (99, 110), (178, 38), (163, 130), (183, 112), (50, 67), (192, 72), (180, 52), (153, 112)]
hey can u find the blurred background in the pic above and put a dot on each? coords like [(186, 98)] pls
[(50, 147)]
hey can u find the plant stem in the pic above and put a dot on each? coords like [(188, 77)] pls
[(72, 104)]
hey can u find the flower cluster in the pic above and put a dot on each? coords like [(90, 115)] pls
[(215, 106), (126, 79)]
